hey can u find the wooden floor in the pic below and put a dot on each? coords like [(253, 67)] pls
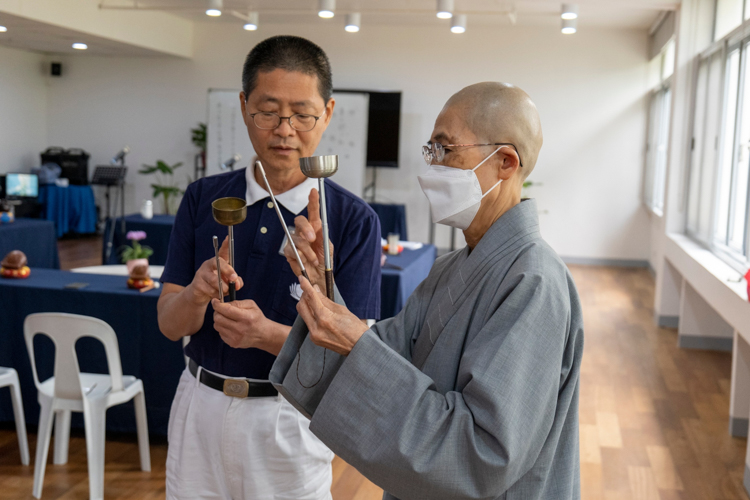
[(653, 418)]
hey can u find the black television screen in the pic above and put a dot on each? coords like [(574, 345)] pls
[(383, 129)]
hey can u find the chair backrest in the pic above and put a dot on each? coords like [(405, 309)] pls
[(65, 330)]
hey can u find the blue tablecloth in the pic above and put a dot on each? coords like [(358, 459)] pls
[(144, 351), (35, 238), (392, 219), (158, 230), (71, 208), (398, 284)]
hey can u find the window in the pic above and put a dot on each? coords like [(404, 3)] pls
[(658, 129), (656, 159), (719, 179), (728, 17)]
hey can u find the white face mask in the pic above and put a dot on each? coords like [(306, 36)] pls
[(454, 193)]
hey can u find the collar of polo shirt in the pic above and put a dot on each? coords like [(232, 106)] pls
[(294, 200)]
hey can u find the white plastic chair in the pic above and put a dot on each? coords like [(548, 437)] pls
[(9, 378), (71, 390)]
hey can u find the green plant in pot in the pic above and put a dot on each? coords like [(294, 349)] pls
[(166, 187)]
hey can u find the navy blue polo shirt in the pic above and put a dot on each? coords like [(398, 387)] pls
[(354, 230)]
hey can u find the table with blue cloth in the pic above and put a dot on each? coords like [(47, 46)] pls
[(34, 237), (401, 275), (392, 219), (71, 208), (158, 230), (144, 351)]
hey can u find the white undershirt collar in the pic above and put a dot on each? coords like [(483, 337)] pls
[(294, 200)]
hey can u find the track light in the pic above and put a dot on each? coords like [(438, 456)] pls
[(444, 9), (3, 29), (80, 46), (569, 26), (252, 21), (326, 8), (352, 22), (569, 11), (458, 25), (214, 8)]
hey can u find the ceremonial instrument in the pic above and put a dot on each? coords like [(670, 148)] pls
[(281, 219), (230, 212), (320, 167)]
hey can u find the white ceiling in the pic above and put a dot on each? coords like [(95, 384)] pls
[(639, 14), (35, 36), (40, 37)]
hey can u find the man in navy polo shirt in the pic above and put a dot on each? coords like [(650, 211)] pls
[(230, 435)]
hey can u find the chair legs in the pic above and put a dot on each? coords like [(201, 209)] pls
[(42, 444), (95, 424), (23, 443), (142, 427), (62, 436)]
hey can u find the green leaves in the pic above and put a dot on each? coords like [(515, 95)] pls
[(160, 167), (165, 190), (199, 135), (137, 251)]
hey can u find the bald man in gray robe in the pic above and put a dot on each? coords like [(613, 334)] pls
[(471, 391)]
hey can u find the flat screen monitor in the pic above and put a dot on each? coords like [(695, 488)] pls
[(21, 186), (383, 129)]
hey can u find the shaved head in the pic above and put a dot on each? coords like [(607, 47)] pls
[(499, 112)]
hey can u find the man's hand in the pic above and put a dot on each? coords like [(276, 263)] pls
[(240, 323), (308, 238), (205, 285), (331, 325)]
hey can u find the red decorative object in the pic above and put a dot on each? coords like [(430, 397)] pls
[(14, 265), (747, 278)]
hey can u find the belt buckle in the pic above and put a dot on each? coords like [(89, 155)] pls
[(236, 388)]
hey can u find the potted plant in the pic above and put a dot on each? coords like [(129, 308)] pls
[(166, 187), (135, 254)]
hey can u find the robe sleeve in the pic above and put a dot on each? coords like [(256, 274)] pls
[(300, 362), (383, 416)]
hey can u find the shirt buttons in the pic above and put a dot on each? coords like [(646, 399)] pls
[(270, 204), (263, 230)]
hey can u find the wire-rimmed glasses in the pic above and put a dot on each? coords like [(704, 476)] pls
[(435, 151), (300, 122)]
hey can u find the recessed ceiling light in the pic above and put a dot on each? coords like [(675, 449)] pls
[(80, 46), (3, 29), (445, 9), (569, 26), (326, 8), (214, 8), (458, 25), (569, 11), (352, 22), (252, 22)]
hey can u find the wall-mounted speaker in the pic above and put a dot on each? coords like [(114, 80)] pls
[(55, 69)]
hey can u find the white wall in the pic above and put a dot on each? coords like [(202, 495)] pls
[(590, 89), (23, 108)]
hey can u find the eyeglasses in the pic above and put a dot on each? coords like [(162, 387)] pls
[(434, 151), (299, 121)]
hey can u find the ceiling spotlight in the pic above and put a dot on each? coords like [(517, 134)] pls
[(3, 29), (326, 8), (569, 26), (445, 9), (569, 11), (214, 8), (80, 46), (252, 22), (458, 24), (352, 22)]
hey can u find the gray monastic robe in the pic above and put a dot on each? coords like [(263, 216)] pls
[(471, 391)]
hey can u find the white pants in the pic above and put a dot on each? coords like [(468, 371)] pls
[(228, 448)]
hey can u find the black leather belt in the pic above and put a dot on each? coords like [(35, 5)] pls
[(235, 387)]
